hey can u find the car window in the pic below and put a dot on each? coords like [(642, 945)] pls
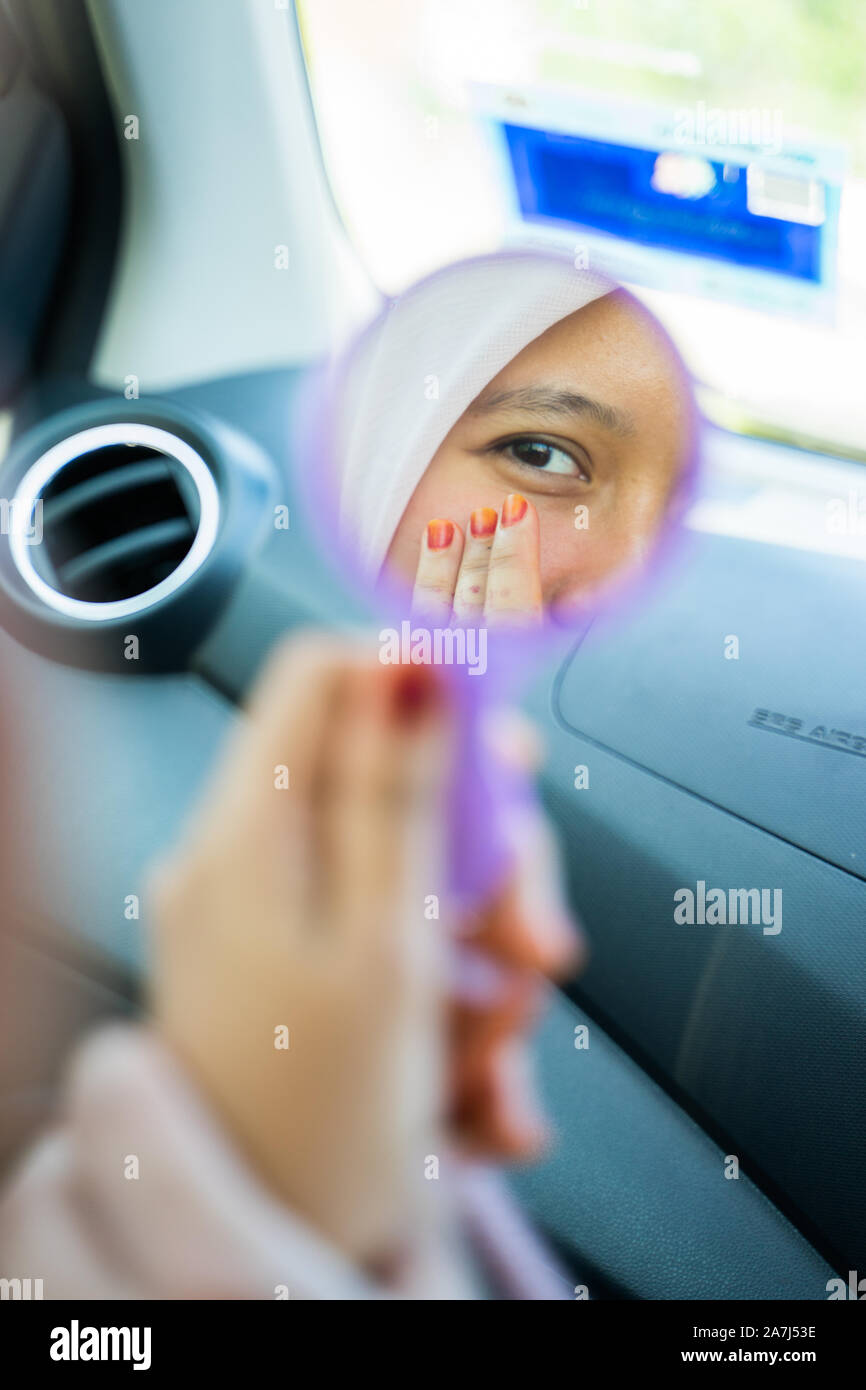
[(411, 165)]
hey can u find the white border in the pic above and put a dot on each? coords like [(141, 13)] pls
[(85, 441)]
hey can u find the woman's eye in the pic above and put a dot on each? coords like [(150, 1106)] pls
[(535, 453)]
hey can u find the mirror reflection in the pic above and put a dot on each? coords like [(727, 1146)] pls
[(513, 434)]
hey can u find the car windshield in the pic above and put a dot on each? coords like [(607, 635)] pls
[(407, 143)]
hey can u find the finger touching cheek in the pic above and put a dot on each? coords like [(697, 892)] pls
[(514, 572), (438, 567), (471, 591)]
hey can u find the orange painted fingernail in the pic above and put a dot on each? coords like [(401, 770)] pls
[(482, 522), (514, 509), (440, 534)]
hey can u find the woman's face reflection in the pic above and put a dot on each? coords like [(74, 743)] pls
[(590, 424)]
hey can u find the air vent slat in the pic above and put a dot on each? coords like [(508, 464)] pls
[(135, 548), (57, 509), (123, 514)]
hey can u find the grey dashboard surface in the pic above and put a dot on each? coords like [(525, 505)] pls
[(658, 784), (775, 733), (637, 1194), (104, 769)]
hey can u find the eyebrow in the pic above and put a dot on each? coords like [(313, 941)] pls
[(555, 400)]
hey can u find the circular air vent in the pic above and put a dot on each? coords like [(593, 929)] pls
[(113, 519)]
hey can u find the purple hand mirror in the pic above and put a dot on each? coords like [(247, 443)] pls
[(509, 450)]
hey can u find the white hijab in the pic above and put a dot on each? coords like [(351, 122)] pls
[(422, 363)]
